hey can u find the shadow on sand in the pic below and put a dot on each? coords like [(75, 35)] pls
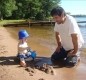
[(39, 61)]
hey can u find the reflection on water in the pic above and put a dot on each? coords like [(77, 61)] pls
[(83, 31), (42, 35)]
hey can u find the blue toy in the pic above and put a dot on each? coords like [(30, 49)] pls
[(31, 54)]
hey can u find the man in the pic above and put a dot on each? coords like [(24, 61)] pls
[(68, 37)]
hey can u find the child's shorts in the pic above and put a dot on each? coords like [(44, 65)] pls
[(31, 55)]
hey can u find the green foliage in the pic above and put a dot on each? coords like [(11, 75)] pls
[(6, 8), (39, 16), (24, 9), (47, 5)]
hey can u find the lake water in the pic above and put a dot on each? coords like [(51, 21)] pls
[(83, 28), (45, 34), (81, 19)]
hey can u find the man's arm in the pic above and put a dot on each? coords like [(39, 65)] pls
[(58, 39), (75, 43)]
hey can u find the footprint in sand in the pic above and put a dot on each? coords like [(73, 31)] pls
[(31, 71), (1, 37), (41, 79), (3, 49)]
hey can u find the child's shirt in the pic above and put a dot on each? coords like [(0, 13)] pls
[(22, 45)]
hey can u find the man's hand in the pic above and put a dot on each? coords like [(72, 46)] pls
[(71, 53), (75, 45)]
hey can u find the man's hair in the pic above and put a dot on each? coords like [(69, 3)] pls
[(58, 11)]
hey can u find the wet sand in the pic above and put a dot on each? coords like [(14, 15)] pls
[(10, 70)]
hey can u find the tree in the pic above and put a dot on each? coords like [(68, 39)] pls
[(33, 9), (6, 8), (26, 8), (47, 5)]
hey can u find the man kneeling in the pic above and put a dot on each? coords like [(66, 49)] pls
[(68, 36)]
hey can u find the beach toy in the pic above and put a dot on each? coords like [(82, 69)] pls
[(31, 55), (23, 34)]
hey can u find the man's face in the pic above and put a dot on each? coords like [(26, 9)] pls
[(58, 19)]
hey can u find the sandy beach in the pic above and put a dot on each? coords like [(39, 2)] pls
[(10, 70)]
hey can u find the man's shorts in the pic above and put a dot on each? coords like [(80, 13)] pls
[(72, 60), (59, 56), (62, 55)]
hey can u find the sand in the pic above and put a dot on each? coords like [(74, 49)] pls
[(10, 70)]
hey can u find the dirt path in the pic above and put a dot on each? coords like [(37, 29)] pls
[(9, 70)]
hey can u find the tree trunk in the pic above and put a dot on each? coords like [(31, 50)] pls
[(1, 16)]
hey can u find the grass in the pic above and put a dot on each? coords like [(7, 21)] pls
[(2, 22)]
